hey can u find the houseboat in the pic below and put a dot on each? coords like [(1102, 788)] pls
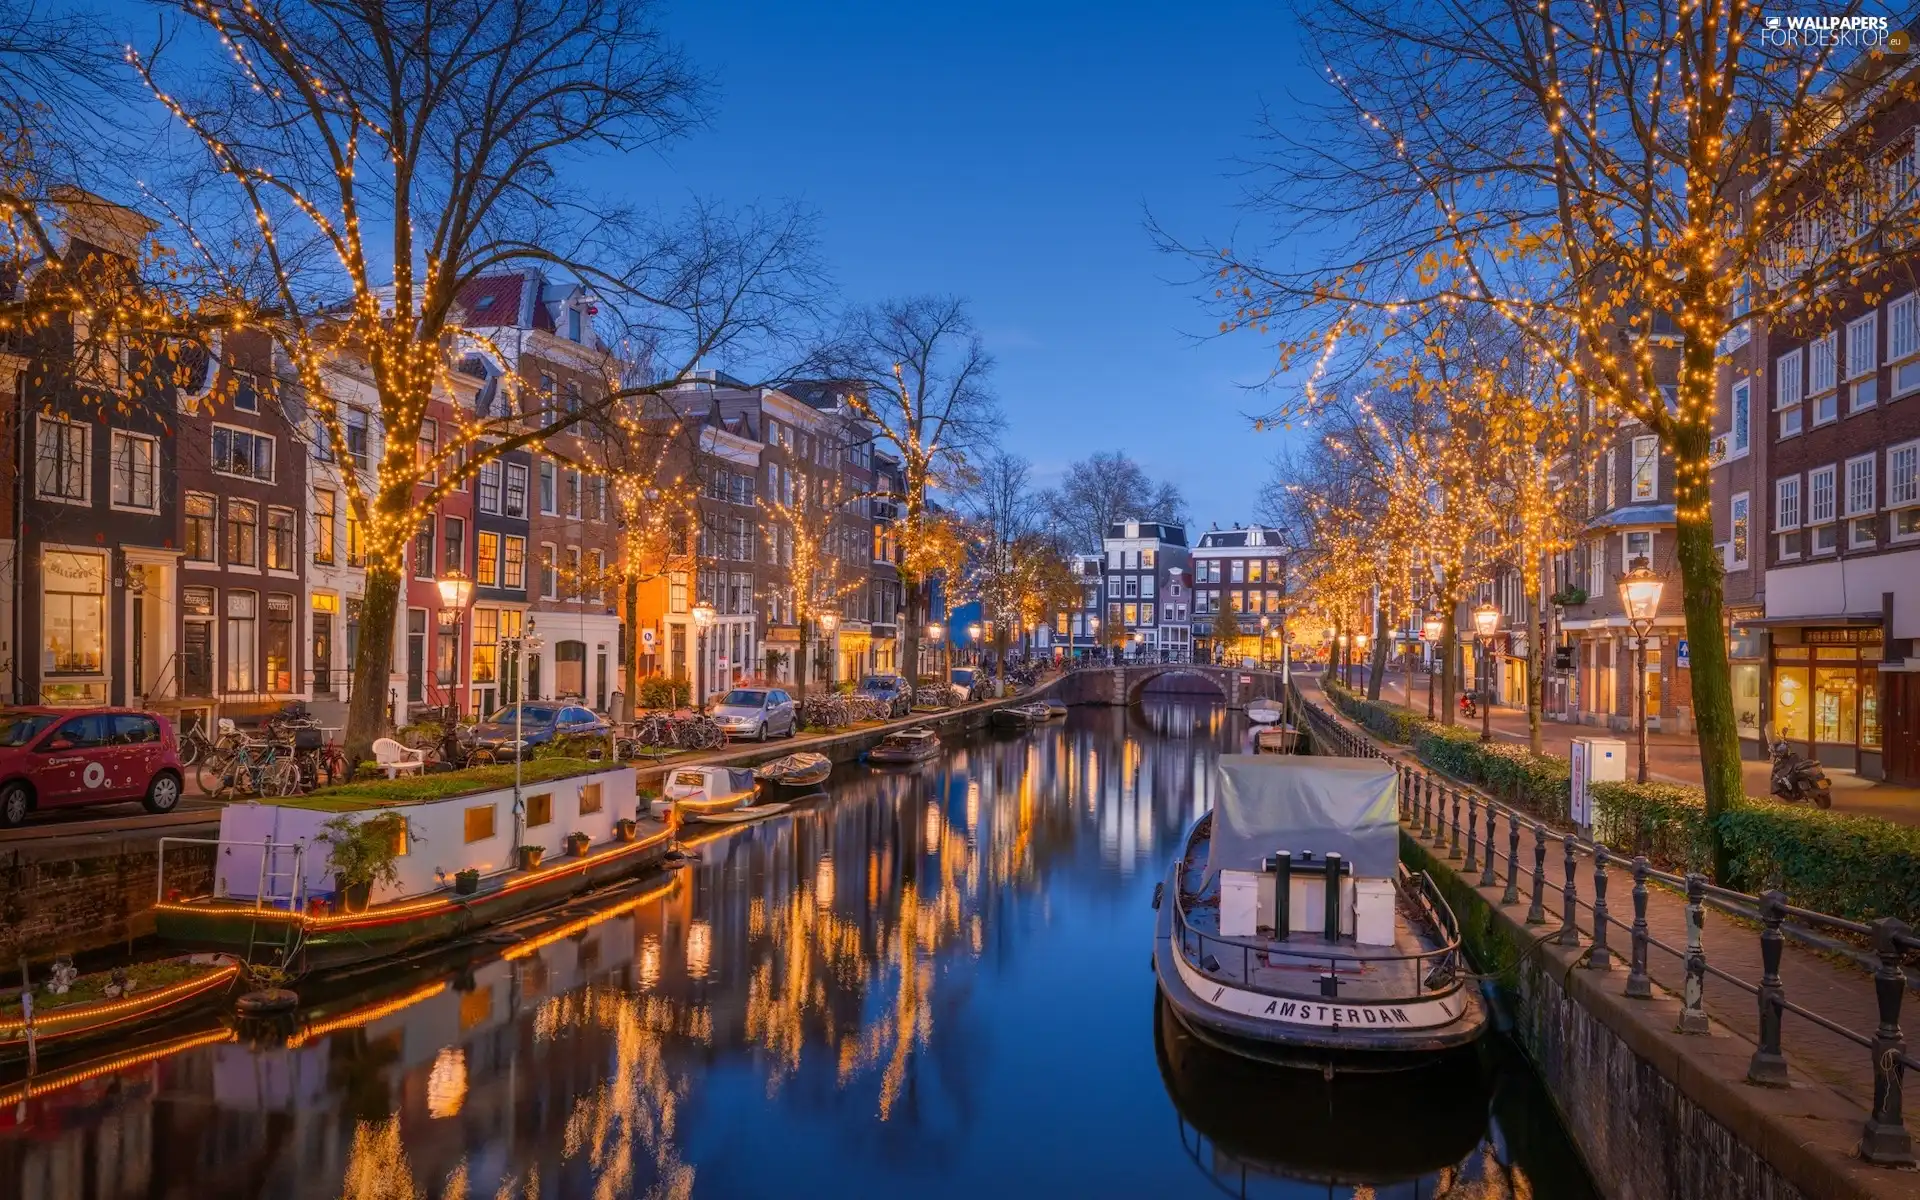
[(1288, 931), (721, 795), (456, 864), (914, 745), (109, 1004), (801, 772)]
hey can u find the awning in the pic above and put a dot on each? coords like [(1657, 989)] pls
[(1842, 620), (1634, 516)]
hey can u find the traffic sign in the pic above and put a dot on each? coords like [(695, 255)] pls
[(1683, 661)]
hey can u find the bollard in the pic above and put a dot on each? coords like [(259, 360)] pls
[(1885, 1139), (1334, 863), (1472, 864), (1693, 1015), (1453, 845), (1487, 877), (1769, 1066), (1639, 987), (1537, 911), (1570, 898), (1601, 959), (1282, 895), (1512, 894)]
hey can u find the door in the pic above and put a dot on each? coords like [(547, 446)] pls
[(196, 659), (72, 763), (323, 652), (137, 652), (416, 654), (1900, 726)]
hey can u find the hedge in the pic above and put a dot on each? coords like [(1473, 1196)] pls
[(1857, 867)]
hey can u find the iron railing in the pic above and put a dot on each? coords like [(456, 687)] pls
[(1431, 807)]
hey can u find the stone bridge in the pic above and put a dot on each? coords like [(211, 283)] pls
[(1124, 684)]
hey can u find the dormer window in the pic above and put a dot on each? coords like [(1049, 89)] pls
[(574, 324)]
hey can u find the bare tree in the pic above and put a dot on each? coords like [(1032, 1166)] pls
[(380, 157), (1106, 487), (918, 373), (1000, 500)]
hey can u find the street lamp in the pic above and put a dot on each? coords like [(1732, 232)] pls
[(1346, 664), (973, 641), (936, 634), (456, 592), (1359, 651), (829, 621), (1093, 634), (518, 646), (1431, 628), (1486, 623), (703, 615), (1640, 592), (1265, 622)]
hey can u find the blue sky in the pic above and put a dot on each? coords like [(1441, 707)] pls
[(1007, 152)]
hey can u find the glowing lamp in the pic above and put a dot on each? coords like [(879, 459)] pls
[(1432, 628), (1486, 620), (1640, 592), (703, 615)]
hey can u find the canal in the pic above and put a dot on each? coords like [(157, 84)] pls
[(934, 983)]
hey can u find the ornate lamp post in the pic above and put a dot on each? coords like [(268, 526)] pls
[(973, 642), (1359, 651), (1346, 665), (519, 645), (1431, 629), (456, 592), (702, 618), (1486, 623), (830, 621), (1264, 622), (936, 633), (1093, 635), (1640, 592)]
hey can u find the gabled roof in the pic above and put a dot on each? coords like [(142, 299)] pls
[(1257, 537), (491, 300)]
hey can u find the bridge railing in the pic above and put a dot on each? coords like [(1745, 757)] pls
[(1431, 807)]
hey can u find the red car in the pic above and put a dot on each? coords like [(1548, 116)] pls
[(56, 757)]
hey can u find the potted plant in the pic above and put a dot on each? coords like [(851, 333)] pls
[(467, 882), (529, 857), (626, 829), (362, 853), (577, 844)]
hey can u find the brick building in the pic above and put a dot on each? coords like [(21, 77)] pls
[(1243, 570)]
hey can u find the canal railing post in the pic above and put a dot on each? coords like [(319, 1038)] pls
[(1512, 894), (1639, 987), (1885, 1139), (1426, 806), (1472, 864), (1601, 959), (1453, 845), (1769, 1066), (1440, 821), (1693, 1013), (1537, 911), (1570, 897), (1487, 876)]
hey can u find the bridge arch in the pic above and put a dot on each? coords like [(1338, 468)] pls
[(1142, 678)]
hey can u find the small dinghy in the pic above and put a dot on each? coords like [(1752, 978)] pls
[(714, 794), (1264, 712), (1277, 739), (907, 746), (1017, 716), (802, 772), (1056, 709), (1289, 933)]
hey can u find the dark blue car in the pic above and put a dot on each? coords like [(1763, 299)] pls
[(539, 724)]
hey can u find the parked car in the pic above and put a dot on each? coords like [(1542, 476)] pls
[(969, 683), (56, 758), (538, 724), (892, 690), (757, 713)]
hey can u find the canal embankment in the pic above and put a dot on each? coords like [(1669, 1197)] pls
[(1654, 1111)]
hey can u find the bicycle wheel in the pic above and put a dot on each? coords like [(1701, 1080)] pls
[(212, 773), (481, 758), (282, 778), (189, 750)]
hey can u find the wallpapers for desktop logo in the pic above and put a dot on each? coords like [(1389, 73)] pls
[(1819, 31)]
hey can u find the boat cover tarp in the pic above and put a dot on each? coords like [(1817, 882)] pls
[(1270, 802)]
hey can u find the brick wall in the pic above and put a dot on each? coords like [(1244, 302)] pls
[(68, 897)]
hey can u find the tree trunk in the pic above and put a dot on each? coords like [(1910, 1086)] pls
[(1701, 594), (1377, 666), (373, 660), (1537, 675), (915, 595), (1449, 671), (631, 598), (800, 667)]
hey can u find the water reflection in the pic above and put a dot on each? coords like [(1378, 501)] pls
[(934, 981)]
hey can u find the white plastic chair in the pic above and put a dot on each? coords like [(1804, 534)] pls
[(396, 759)]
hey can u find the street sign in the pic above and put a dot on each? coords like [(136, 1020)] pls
[(1683, 661), (646, 638)]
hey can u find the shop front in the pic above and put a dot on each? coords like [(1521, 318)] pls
[(1825, 693), (1747, 659)]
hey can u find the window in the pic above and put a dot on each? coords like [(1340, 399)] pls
[(359, 440), (486, 563), (589, 798), (324, 516), (1786, 503), (573, 494), (1638, 544), (446, 655), (242, 452), (423, 550), (1255, 568), (1863, 347), (1742, 416), (1862, 503), (280, 542), (486, 643), (426, 451), (453, 546), (676, 586), (243, 530), (1789, 381), (132, 458), (1903, 475), (1132, 586), (479, 822), (1132, 614), (1791, 422), (516, 500), (1146, 587), (487, 495), (242, 640), (573, 324), (1821, 352), (1146, 614), (514, 567), (549, 580), (540, 809), (356, 541), (1903, 343), (1646, 468), (1146, 559), (1239, 571), (73, 612), (1742, 532), (280, 643), (546, 489), (62, 452), (1820, 495), (597, 593), (573, 572), (597, 496), (200, 528)]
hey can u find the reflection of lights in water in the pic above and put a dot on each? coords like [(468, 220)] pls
[(973, 934), (649, 962), (377, 1167), (973, 805), (823, 883), (933, 827), (447, 1083), (699, 949), (756, 917)]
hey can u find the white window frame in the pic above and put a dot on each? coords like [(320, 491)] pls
[(1903, 479), (1627, 552), (1817, 513), (1823, 364), (273, 454), (1863, 334), (1741, 424), (116, 439), (1863, 485), (1903, 345), (1646, 460), (1787, 495), (548, 565), (1739, 512), (1787, 369), (62, 495), (491, 475), (506, 490)]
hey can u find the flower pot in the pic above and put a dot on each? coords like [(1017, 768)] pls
[(577, 844), (352, 898), (626, 830), (466, 883), (529, 857)]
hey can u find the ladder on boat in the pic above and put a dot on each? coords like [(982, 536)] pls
[(268, 893)]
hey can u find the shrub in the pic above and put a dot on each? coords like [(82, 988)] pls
[(655, 691), (575, 746), (1858, 867), (1667, 822)]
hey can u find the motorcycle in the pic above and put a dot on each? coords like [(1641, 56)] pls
[(1469, 706), (1799, 780)]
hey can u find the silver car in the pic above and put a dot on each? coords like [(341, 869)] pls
[(757, 713)]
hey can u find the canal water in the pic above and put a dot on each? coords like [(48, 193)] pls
[(934, 983)]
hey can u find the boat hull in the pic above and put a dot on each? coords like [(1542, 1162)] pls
[(57, 1029)]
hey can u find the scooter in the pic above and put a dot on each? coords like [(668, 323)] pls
[(1799, 780), (1469, 707)]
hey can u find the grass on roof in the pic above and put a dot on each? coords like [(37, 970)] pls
[(361, 795)]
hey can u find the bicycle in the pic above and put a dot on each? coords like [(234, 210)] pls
[(259, 768), (218, 754)]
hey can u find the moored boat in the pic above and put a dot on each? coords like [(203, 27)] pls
[(906, 746), (1277, 739), (1014, 716), (715, 794), (1264, 712), (113, 1004), (1289, 933), (801, 772), (1056, 708)]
